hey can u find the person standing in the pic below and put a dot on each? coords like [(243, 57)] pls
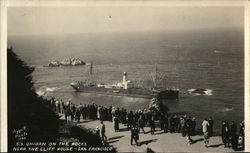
[(210, 127), (152, 125), (183, 127), (134, 135), (57, 106), (103, 130), (188, 131), (172, 124), (193, 125), (165, 123), (242, 135), (233, 135), (141, 124), (205, 125), (116, 123), (83, 110), (161, 119), (67, 112), (130, 119), (78, 114), (72, 110), (97, 131), (61, 106), (98, 112), (225, 134), (136, 116), (110, 113), (177, 124)]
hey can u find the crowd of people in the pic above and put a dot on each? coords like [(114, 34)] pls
[(137, 120), (229, 135)]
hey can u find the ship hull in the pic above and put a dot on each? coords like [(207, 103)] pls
[(133, 92)]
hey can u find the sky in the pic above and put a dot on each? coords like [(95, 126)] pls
[(39, 21)]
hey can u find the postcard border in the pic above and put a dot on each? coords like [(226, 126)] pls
[(5, 4)]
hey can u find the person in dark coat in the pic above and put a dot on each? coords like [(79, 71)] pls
[(149, 116), (189, 131), (78, 114), (123, 116), (134, 135), (210, 127), (241, 139), (225, 134), (165, 123), (177, 124), (233, 135), (172, 124), (130, 119), (116, 124), (193, 125), (152, 125), (67, 112), (136, 117), (72, 111), (189, 125), (110, 113), (161, 119), (141, 124), (84, 112)]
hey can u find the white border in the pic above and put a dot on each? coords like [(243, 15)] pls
[(3, 44), (246, 79), (82, 3), (123, 3)]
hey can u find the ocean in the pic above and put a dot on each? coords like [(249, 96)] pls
[(211, 59)]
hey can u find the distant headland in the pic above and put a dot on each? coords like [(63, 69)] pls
[(65, 62)]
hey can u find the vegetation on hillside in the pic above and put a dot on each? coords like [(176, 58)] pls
[(25, 107), (26, 110)]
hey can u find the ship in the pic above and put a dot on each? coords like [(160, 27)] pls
[(125, 88)]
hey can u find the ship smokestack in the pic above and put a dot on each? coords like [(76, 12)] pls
[(124, 77)]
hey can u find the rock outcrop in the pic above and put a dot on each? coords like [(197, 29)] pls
[(54, 63), (66, 62)]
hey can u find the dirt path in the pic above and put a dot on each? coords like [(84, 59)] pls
[(160, 142)]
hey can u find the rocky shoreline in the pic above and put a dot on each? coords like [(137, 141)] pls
[(65, 62)]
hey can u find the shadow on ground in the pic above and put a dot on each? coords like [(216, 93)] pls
[(117, 137), (123, 129), (112, 141), (147, 141), (194, 141), (215, 146)]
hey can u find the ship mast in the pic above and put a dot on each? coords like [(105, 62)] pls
[(90, 78), (91, 69)]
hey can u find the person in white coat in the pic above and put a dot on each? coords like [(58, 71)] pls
[(205, 125)]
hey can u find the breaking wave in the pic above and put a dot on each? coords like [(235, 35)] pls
[(199, 91), (227, 109), (52, 89), (218, 51), (40, 92), (44, 90)]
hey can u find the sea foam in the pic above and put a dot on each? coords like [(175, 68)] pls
[(206, 92)]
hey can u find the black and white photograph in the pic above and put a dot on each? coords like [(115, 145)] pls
[(126, 78)]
